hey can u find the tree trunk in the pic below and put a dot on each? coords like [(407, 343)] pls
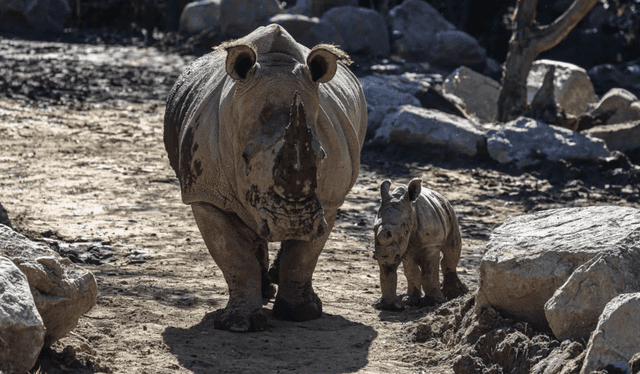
[(527, 41)]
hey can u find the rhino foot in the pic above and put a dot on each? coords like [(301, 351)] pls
[(391, 304), (239, 321), (303, 309), (453, 287), (411, 300), (430, 300)]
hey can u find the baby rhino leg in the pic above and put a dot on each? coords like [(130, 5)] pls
[(430, 276), (388, 286), (414, 281), (452, 286)]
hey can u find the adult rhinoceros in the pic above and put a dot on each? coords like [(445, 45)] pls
[(265, 138)]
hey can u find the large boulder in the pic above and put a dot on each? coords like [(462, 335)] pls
[(420, 33), (200, 15), (383, 99), (530, 256), (525, 142), (414, 125), (478, 93), (573, 88), (38, 15), (616, 338), (575, 307), (320, 7), (21, 328), (4, 217), (241, 17), (363, 30), (62, 291), (308, 31), (616, 106), (606, 76), (453, 48), (621, 137)]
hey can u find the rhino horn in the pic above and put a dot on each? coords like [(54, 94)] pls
[(296, 167), (384, 190)]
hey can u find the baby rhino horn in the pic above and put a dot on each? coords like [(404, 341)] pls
[(384, 190)]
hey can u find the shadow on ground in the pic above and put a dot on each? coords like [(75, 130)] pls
[(330, 344)]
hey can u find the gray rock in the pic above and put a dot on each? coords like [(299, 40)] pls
[(617, 336), (617, 106), (621, 137), (362, 30), (414, 125), (21, 328), (574, 309), (573, 88), (308, 31), (320, 7), (564, 359), (241, 17), (4, 217), (420, 33), (382, 99), (456, 48), (302, 7), (530, 256), (200, 15), (62, 291), (525, 141), (414, 26), (478, 93), (40, 15)]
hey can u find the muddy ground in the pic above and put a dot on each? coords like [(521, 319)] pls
[(83, 168)]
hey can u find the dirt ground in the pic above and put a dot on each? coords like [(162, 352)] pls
[(95, 171)]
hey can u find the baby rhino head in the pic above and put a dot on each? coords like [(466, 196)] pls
[(395, 222)]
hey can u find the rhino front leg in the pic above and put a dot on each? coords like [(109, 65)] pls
[(296, 300), (430, 275), (414, 281), (388, 286), (240, 254)]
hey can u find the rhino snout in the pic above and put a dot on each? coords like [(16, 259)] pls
[(387, 256), (384, 237)]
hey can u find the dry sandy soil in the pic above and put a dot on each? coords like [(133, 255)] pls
[(95, 170)]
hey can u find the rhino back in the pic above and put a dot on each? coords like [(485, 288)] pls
[(436, 218)]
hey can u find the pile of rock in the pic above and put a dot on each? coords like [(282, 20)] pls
[(42, 297), (604, 124), (574, 272), (418, 31)]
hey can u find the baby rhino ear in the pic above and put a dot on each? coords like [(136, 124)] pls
[(415, 186), (384, 190)]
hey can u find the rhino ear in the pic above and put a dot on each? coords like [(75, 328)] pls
[(384, 190), (241, 58), (323, 62), (415, 186)]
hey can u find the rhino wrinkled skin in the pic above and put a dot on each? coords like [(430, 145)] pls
[(265, 135), (413, 226)]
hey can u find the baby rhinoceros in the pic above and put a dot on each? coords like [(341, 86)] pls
[(413, 226)]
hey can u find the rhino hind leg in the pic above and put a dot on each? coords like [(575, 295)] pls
[(430, 265), (241, 255), (296, 300), (452, 286)]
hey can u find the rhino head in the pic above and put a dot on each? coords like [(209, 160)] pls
[(395, 222), (271, 117)]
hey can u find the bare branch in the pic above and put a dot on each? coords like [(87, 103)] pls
[(550, 35)]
